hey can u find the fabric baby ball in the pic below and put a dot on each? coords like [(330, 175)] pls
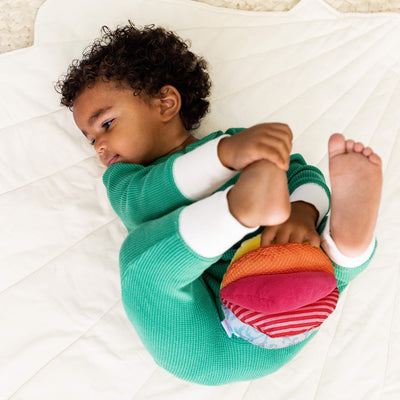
[(277, 295)]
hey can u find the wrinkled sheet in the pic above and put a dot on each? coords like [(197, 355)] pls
[(64, 333)]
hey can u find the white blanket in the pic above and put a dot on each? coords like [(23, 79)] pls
[(63, 330)]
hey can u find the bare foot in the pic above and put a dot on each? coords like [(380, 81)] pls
[(356, 180)]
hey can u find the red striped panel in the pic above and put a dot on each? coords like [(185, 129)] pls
[(288, 323)]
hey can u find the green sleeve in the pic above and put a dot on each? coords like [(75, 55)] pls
[(139, 194)]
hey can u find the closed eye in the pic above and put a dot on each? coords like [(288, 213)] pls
[(107, 124)]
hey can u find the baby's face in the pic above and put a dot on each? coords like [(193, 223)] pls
[(121, 127)]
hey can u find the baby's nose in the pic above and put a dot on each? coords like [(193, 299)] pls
[(100, 145)]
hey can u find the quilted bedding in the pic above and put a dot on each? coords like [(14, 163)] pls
[(63, 330)]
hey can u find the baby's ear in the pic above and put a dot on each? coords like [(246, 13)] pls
[(169, 100)]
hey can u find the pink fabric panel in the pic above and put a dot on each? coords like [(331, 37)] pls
[(276, 293)]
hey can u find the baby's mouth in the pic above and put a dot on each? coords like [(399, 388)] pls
[(113, 160)]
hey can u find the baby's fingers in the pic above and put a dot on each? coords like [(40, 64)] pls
[(282, 236), (314, 240), (268, 235), (305, 237)]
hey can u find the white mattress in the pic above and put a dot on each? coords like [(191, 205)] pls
[(64, 333)]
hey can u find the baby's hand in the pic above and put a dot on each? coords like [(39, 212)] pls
[(269, 141), (299, 228)]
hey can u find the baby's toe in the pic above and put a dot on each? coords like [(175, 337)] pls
[(349, 145), (358, 147), (374, 158), (367, 151), (336, 145)]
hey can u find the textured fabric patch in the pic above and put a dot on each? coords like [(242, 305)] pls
[(276, 293), (277, 259), (258, 338), (288, 323)]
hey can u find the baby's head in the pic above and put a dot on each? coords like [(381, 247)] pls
[(136, 93)]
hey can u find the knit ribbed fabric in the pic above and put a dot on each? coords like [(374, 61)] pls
[(169, 292)]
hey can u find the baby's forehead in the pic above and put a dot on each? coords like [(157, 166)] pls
[(101, 96)]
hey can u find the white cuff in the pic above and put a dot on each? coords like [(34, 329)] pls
[(200, 172), (208, 227), (330, 248), (313, 194)]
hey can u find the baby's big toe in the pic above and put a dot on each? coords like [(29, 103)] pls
[(336, 145)]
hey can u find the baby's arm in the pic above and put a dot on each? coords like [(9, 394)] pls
[(139, 194), (181, 179), (142, 193)]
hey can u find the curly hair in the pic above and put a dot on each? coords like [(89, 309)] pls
[(146, 59)]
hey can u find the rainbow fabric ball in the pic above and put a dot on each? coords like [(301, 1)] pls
[(276, 296)]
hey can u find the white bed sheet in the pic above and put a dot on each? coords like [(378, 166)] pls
[(63, 331)]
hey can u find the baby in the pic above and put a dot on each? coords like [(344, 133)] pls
[(137, 94)]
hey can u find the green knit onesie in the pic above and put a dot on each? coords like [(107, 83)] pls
[(170, 292)]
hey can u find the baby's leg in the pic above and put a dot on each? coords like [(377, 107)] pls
[(356, 181), (260, 196)]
